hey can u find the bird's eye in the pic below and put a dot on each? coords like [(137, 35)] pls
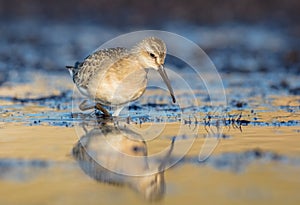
[(152, 55), (135, 148)]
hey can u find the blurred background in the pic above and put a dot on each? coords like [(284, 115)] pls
[(133, 13), (239, 36)]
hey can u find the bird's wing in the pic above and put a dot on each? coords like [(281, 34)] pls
[(101, 59)]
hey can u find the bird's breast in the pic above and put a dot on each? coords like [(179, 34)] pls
[(119, 88)]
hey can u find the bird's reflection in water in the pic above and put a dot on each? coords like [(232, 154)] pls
[(119, 156)]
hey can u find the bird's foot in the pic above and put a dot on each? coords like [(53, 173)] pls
[(106, 114)]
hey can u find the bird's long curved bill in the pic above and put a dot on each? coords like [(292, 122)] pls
[(164, 76)]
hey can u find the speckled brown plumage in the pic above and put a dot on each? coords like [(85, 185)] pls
[(116, 76)]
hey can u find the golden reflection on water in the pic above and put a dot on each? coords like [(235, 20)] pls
[(260, 182), (119, 156)]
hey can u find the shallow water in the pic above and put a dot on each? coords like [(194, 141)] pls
[(259, 164), (256, 158), (244, 152)]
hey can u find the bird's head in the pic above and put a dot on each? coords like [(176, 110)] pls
[(152, 54)]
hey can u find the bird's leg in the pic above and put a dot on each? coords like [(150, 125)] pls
[(84, 106), (98, 106)]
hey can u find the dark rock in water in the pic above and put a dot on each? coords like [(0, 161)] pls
[(243, 122), (292, 57), (155, 105), (257, 153), (283, 84), (134, 107), (238, 104), (295, 91)]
